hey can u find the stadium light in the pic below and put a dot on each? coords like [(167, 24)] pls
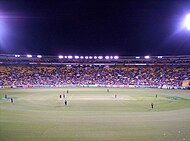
[(60, 57), (65, 56), (187, 21), (159, 57), (39, 56), (81, 57), (107, 57), (147, 57), (100, 57), (70, 57), (111, 57), (90, 57), (116, 57), (95, 57), (17, 55), (86, 57), (76, 57), (29, 56), (137, 57)]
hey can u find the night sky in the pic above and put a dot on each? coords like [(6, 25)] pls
[(94, 27)]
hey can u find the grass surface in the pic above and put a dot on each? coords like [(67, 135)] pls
[(93, 114)]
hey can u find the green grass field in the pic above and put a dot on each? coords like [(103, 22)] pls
[(93, 114)]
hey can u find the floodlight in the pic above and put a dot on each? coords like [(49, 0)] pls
[(65, 56), (17, 55), (70, 57), (81, 57), (76, 57), (100, 57), (90, 57), (116, 57), (95, 57), (107, 57), (60, 57), (137, 57), (86, 57), (39, 56), (147, 57), (159, 57), (111, 57), (187, 21), (29, 56), (68, 65)]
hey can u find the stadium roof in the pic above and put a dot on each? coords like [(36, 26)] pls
[(98, 60)]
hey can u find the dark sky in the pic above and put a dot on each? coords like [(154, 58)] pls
[(94, 27)]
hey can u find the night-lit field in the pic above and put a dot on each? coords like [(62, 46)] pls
[(93, 114)]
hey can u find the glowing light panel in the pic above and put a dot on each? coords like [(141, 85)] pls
[(39, 56), (76, 57), (107, 57), (29, 56), (100, 57), (116, 57), (60, 57), (70, 57)]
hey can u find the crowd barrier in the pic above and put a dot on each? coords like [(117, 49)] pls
[(92, 86)]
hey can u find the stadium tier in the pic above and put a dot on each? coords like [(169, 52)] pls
[(50, 71), (93, 60)]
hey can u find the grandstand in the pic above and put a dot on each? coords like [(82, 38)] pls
[(102, 95), (171, 72)]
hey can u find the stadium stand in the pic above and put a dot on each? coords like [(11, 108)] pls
[(124, 72)]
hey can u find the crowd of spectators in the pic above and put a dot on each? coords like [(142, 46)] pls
[(93, 75)]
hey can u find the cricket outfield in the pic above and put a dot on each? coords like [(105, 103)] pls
[(93, 114)]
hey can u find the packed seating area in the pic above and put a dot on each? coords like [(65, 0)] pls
[(93, 75)]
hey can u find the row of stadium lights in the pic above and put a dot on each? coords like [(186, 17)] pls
[(87, 57), (29, 56), (148, 57), (76, 57)]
